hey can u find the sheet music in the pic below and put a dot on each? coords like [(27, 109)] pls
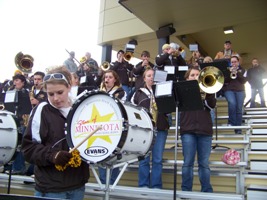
[(10, 96), (193, 47), (182, 68), (169, 69), (83, 79), (160, 76), (163, 89)]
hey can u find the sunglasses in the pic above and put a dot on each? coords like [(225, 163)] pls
[(56, 76)]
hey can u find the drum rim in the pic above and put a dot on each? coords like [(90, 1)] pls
[(12, 116)]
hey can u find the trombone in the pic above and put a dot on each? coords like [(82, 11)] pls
[(210, 79)]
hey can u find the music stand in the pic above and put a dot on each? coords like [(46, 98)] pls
[(24, 103), (11, 101), (186, 97), (221, 64)]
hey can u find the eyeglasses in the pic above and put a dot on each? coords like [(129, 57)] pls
[(56, 76)]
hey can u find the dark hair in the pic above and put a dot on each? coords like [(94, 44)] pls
[(145, 53), (116, 76), (235, 57), (120, 51), (19, 76), (38, 73)]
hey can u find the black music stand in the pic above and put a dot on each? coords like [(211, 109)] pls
[(221, 64), (185, 97), (24, 103), (11, 100)]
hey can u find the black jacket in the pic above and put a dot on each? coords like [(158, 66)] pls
[(142, 99), (123, 69), (254, 77), (43, 137), (237, 84), (138, 72), (166, 59), (198, 122)]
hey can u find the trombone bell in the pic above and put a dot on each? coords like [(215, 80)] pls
[(105, 66), (24, 62), (127, 56), (210, 79)]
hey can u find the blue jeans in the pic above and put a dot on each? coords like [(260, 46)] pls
[(212, 115), (201, 144), (126, 88), (253, 96), (18, 164), (235, 106), (153, 179), (130, 94), (113, 175), (77, 194)]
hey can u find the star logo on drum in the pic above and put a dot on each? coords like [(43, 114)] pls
[(97, 118)]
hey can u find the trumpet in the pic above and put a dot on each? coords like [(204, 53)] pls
[(127, 56), (233, 73), (24, 62), (105, 66), (210, 79)]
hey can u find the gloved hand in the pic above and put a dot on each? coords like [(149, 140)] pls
[(61, 158)]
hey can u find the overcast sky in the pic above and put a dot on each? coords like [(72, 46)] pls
[(44, 29)]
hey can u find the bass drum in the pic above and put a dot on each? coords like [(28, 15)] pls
[(127, 131), (8, 136)]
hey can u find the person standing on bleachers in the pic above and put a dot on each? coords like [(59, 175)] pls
[(123, 68), (254, 75), (234, 92), (70, 64), (196, 135), (144, 97)]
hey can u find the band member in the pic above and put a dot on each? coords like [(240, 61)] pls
[(22, 114), (111, 85), (195, 60), (45, 145), (144, 97), (227, 52), (171, 57), (88, 71), (234, 92), (37, 94), (123, 68), (196, 134), (140, 68), (70, 64)]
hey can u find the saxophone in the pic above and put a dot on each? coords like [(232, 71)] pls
[(31, 93), (153, 108)]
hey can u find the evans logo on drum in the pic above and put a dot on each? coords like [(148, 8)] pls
[(96, 151)]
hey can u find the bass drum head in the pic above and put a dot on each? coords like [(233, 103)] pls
[(8, 137), (91, 110)]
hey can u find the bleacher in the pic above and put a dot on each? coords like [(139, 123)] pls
[(246, 180)]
